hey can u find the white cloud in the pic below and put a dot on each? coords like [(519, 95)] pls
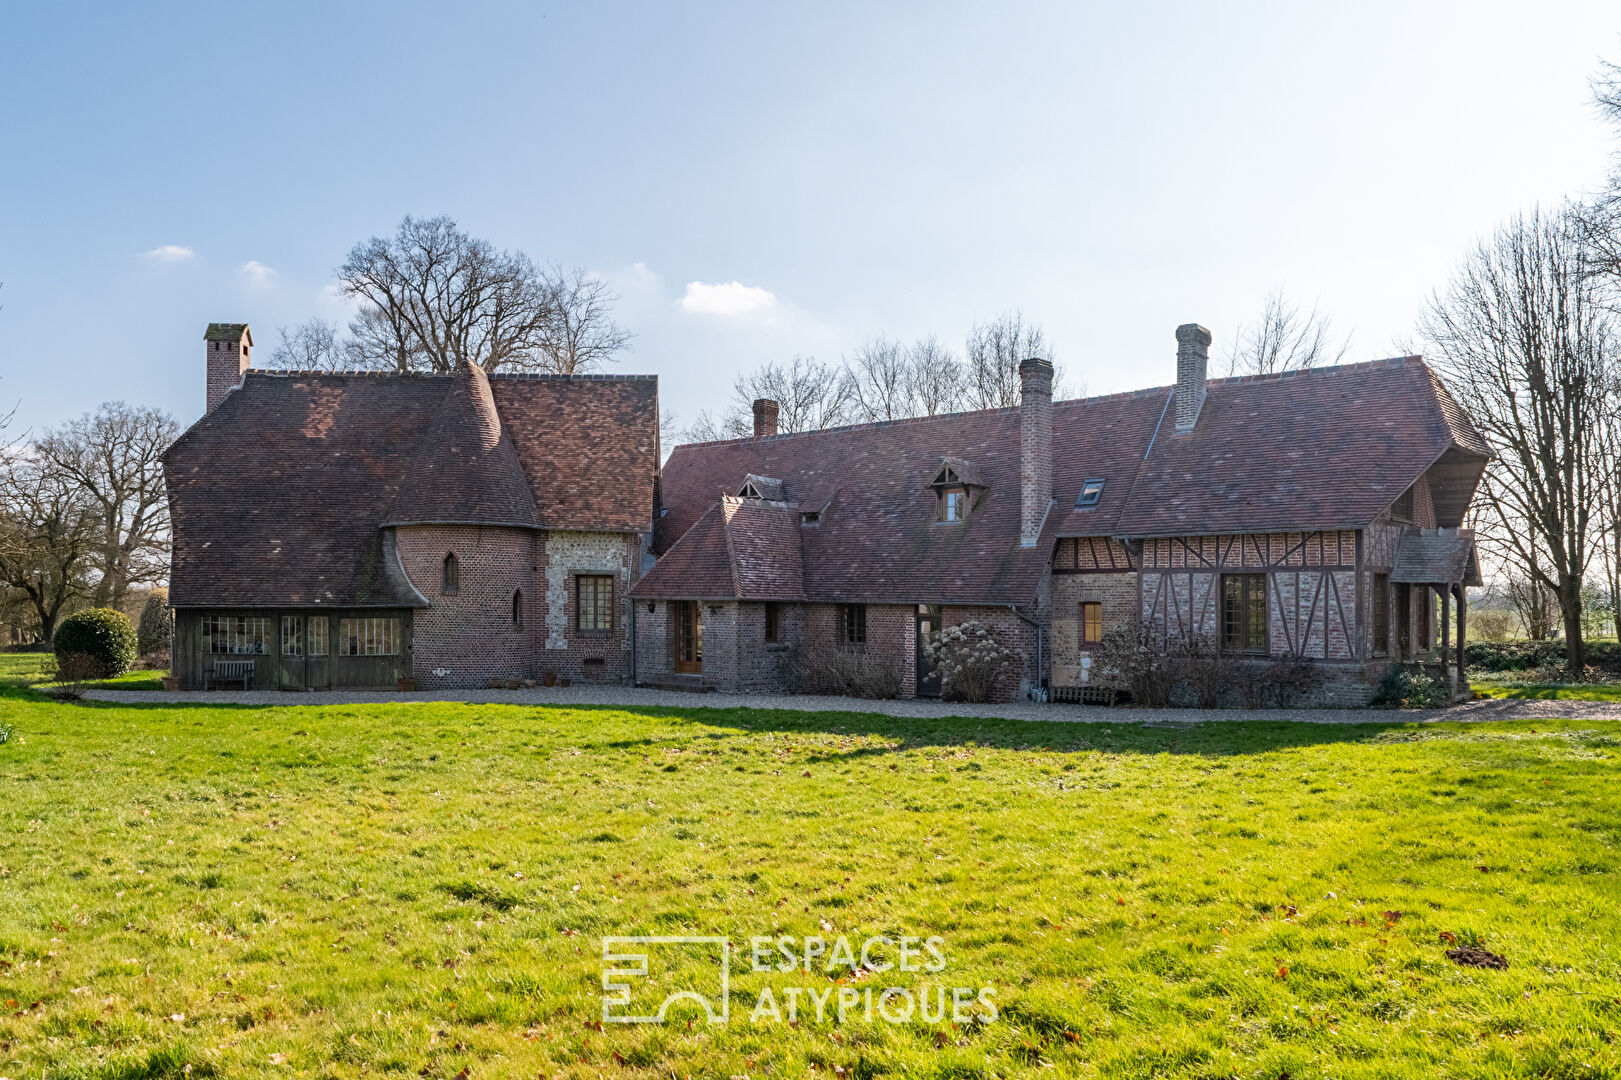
[(257, 272), (726, 299), (169, 253)]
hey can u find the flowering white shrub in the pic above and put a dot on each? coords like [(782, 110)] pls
[(970, 660)]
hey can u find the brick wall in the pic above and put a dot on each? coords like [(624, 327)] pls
[(565, 649), (226, 361), (891, 637), (469, 635), (1012, 632), (1118, 595)]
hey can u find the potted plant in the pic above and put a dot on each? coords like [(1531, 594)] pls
[(171, 682), (407, 683), (548, 678)]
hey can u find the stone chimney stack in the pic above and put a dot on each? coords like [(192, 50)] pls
[(1035, 448), (1192, 363), (226, 347), (765, 417)]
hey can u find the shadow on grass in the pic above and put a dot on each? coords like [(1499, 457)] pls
[(1132, 733)]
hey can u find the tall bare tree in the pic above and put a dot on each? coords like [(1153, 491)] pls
[(994, 350), (1600, 216), (312, 345), (1530, 351), (935, 376), (114, 457), (49, 533), (1283, 338), (579, 334), (810, 396), (432, 296), (879, 374)]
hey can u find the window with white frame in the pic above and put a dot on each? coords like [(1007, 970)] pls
[(235, 635), (368, 637), (292, 635)]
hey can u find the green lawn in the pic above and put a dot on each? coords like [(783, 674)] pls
[(421, 889), (38, 669), (1508, 688)]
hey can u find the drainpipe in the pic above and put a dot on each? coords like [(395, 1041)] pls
[(1022, 616)]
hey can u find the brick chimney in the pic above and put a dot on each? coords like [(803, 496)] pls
[(1192, 362), (226, 347), (765, 417), (1035, 448)]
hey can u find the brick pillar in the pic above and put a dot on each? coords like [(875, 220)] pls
[(226, 347), (765, 417), (1192, 363), (1035, 448)]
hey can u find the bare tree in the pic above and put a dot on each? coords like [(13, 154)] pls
[(312, 345), (579, 335), (48, 535), (434, 297), (935, 376), (995, 350), (880, 383), (1530, 352), (810, 396), (705, 427), (1283, 338), (114, 458), (1599, 218)]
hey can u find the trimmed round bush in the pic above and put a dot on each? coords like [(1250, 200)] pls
[(101, 633)]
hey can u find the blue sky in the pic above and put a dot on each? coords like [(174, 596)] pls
[(842, 170)]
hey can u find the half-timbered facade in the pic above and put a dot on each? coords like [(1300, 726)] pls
[(1310, 515), (352, 529)]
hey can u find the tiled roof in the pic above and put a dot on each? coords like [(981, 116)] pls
[(280, 493), (1321, 449), (1331, 448), (589, 445), (748, 549), (1437, 556)]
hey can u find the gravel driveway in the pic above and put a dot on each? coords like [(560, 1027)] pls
[(632, 697)]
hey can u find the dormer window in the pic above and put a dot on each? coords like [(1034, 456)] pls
[(762, 487), (810, 518), (1091, 492), (954, 486)]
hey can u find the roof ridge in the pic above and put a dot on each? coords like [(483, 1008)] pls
[(515, 375), (1326, 369)]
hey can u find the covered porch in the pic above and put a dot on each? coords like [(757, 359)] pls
[(1443, 560)]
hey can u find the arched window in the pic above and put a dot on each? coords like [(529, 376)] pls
[(517, 609), (453, 575)]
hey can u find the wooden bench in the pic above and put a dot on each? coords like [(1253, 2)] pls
[(230, 671)]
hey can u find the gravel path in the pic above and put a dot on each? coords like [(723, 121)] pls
[(624, 696)]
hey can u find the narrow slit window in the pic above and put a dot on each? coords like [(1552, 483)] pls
[(452, 575), (517, 609), (853, 626), (773, 625), (292, 635)]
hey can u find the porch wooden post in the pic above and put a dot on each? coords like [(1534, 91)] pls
[(1446, 639), (1463, 607)]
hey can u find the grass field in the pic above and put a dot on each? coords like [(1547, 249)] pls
[(38, 669), (421, 889), (1507, 688)]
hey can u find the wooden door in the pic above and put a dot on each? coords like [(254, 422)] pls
[(689, 638)]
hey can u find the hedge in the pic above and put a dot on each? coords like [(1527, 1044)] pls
[(105, 635), (1528, 655)]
